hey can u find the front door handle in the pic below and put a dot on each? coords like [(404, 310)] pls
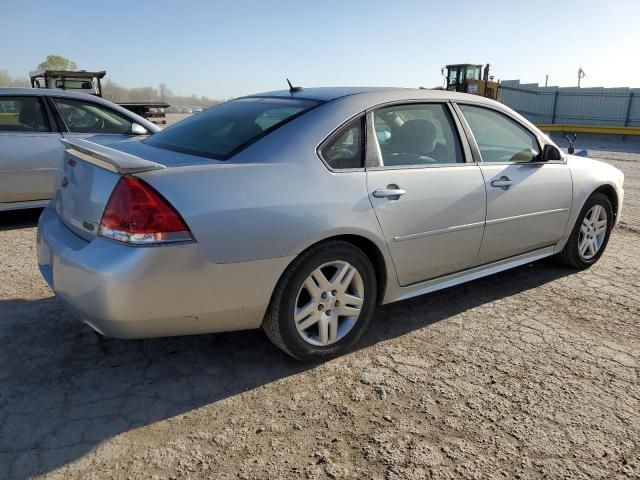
[(503, 182), (392, 192)]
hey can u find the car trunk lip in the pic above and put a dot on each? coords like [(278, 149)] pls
[(109, 158)]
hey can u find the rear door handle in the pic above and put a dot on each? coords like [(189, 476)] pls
[(503, 182), (392, 192)]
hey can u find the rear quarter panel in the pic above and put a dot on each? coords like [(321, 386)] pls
[(243, 212), (275, 198)]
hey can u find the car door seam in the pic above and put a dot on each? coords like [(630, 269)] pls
[(486, 213)]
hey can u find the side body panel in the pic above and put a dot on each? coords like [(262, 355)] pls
[(436, 227), (530, 214), (28, 163)]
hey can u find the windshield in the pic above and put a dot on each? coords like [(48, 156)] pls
[(222, 131)]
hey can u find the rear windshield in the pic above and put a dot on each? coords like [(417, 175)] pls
[(222, 131)]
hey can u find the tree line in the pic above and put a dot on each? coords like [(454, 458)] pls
[(117, 93), (113, 91)]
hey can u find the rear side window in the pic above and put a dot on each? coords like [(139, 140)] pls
[(22, 114), (222, 131), (346, 148)]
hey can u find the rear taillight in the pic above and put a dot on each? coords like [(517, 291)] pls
[(137, 214)]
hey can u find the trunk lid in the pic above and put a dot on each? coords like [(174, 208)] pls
[(86, 179)]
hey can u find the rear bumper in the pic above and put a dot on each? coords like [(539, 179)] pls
[(137, 292)]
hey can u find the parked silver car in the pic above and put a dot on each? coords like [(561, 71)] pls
[(300, 211), (32, 123)]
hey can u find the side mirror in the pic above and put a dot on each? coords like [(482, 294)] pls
[(550, 152), (137, 129)]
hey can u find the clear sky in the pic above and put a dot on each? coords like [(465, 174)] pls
[(226, 49)]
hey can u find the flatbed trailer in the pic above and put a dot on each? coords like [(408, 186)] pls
[(152, 111)]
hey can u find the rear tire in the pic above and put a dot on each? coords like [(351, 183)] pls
[(323, 302), (588, 240)]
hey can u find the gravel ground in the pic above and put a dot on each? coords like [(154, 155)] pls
[(526, 374)]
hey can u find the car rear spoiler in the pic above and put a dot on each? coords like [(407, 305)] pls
[(108, 158)]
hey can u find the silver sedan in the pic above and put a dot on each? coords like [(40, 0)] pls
[(300, 211), (32, 123)]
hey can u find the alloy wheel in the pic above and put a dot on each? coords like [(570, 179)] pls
[(593, 232), (329, 303)]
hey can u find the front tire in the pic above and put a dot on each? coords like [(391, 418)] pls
[(590, 233), (323, 302)]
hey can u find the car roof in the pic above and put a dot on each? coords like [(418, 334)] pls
[(325, 94), (44, 91), (376, 94)]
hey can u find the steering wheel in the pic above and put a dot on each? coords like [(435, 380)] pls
[(100, 123), (342, 152)]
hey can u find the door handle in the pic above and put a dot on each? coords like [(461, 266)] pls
[(392, 192), (503, 182)]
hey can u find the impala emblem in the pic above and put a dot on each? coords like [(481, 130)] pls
[(64, 183)]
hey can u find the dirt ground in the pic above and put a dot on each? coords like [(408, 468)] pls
[(530, 373)]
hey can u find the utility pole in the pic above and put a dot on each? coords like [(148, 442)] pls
[(581, 75), (546, 80)]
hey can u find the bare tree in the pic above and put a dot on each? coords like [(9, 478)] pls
[(7, 80), (164, 92)]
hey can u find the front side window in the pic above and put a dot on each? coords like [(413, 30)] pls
[(346, 148), (499, 138), (89, 117), (417, 134), (22, 114), (221, 131)]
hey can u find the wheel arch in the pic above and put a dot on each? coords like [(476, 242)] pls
[(369, 248), (612, 195), (376, 257)]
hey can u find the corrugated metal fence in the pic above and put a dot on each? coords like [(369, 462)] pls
[(616, 107)]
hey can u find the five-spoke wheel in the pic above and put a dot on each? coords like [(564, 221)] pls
[(323, 301), (329, 303), (590, 233)]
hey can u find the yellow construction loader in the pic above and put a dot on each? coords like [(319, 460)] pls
[(469, 78)]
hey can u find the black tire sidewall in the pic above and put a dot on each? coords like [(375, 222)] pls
[(286, 324)]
